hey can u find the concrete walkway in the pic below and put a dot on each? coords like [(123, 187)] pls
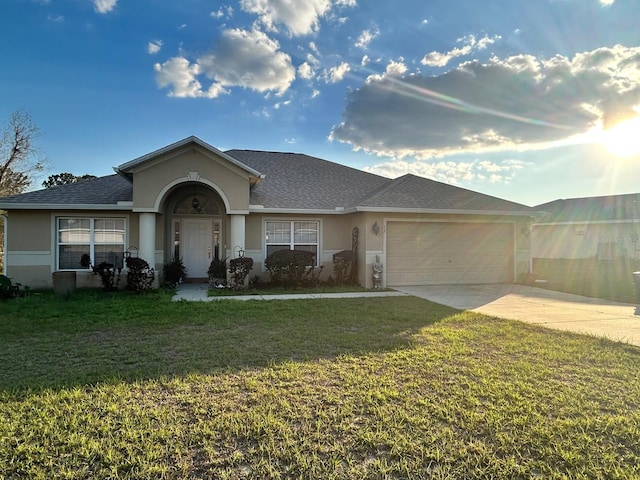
[(562, 311), (198, 292)]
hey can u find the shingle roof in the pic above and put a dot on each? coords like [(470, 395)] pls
[(413, 192), (292, 182), (296, 181), (605, 208), (107, 190)]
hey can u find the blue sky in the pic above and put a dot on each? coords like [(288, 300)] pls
[(505, 97)]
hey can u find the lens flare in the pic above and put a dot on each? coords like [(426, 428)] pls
[(623, 140)]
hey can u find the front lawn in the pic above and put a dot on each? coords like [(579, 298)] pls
[(118, 386)]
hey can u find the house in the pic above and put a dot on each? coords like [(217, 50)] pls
[(193, 201), (602, 228)]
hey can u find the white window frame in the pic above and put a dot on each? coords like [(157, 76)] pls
[(292, 243), (92, 237)]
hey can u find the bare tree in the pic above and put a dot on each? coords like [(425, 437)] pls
[(19, 156)]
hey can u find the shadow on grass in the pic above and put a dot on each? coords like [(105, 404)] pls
[(93, 337)]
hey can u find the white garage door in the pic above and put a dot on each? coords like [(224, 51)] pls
[(421, 253)]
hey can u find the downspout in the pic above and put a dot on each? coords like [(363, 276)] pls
[(5, 220)]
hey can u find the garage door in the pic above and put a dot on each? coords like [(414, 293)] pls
[(420, 253)]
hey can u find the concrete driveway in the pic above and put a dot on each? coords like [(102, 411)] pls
[(562, 311)]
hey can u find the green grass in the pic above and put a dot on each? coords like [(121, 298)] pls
[(268, 290), (117, 386)]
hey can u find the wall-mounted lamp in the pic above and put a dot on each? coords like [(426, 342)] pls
[(376, 228)]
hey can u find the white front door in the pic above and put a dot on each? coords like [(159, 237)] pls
[(197, 246)]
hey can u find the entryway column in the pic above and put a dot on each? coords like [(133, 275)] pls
[(237, 234), (147, 248)]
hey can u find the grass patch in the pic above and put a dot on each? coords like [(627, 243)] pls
[(288, 290), (118, 386)]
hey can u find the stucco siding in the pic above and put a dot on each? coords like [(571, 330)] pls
[(191, 165), (29, 231)]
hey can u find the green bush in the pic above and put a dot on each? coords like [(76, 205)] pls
[(140, 275), (217, 272), (343, 267), (173, 271), (293, 268), (109, 275), (239, 268)]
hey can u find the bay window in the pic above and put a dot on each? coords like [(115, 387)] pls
[(97, 239), (292, 235)]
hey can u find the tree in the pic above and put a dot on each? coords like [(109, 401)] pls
[(65, 178), (19, 159)]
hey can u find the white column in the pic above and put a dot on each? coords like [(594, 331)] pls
[(237, 234), (147, 247)]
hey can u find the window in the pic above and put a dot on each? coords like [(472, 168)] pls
[(101, 239), (292, 235)]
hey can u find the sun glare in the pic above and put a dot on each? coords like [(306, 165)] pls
[(623, 139)]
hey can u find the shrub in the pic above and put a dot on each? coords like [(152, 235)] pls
[(173, 271), (217, 272), (140, 275), (343, 265), (293, 268), (109, 275), (239, 268)]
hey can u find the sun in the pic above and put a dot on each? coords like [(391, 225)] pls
[(623, 139)]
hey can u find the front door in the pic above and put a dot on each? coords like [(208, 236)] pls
[(197, 247)]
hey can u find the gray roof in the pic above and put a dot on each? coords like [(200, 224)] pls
[(413, 192), (107, 190), (592, 209), (290, 182), (296, 181)]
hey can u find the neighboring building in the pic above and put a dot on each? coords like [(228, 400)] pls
[(193, 201), (601, 228)]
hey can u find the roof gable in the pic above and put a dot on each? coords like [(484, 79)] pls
[(128, 167)]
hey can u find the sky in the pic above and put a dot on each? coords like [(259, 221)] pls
[(526, 100)]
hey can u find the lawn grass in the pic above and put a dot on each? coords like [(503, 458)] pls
[(280, 290), (117, 386)]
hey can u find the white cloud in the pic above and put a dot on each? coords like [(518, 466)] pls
[(516, 103), (248, 59), (154, 47), (453, 172), (178, 74), (299, 17), (470, 45), (394, 69), (104, 6), (222, 12), (366, 37), (606, 2), (305, 71), (336, 74)]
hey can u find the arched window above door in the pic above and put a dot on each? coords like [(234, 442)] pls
[(203, 203)]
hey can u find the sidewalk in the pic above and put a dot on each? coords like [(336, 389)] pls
[(197, 292)]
